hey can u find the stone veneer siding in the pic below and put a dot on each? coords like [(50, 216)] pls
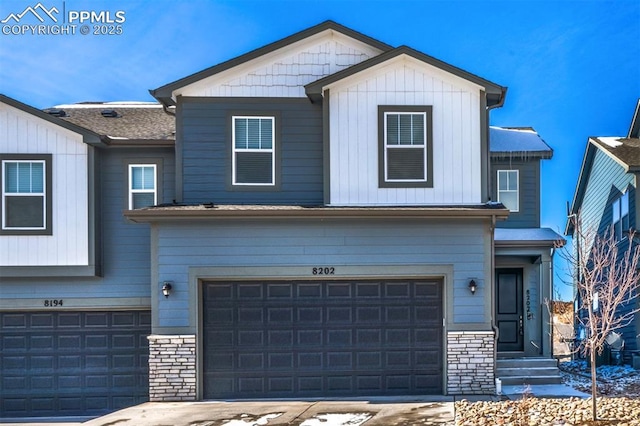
[(172, 368), (470, 360)]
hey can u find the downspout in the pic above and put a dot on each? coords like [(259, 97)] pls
[(494, 327)]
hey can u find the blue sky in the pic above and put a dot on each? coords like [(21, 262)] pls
[(572, 67)]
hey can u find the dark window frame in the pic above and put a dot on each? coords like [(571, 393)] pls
[(48, 194), (383, 110)]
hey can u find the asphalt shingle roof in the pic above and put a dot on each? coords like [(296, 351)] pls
[(140, 121), (624, 149)]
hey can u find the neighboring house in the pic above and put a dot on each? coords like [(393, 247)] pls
[(329, 223), (74, 274), (606, 198)]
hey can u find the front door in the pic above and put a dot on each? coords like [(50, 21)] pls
[(509, 310)]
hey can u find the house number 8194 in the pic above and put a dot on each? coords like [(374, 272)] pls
[(52, 303)]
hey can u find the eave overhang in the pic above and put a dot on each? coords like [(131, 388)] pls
[(235, 212), (89, 137)]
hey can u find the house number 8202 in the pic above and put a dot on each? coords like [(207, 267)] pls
[(323, 271), (52, 303)]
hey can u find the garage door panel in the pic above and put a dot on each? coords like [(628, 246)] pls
[(73, 363), (322, 338)]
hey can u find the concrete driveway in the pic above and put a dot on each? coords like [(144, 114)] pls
[(387, 412), (370, 412)]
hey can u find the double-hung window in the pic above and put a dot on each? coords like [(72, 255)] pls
[(405, 146), (26, 198), (142, 186), (508, 189), (620, 216), (253, 140)]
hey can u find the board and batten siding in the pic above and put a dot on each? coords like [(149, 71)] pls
[(23, 133), (528, 215), (458, 247), (354, 134), (284, 72), (205, 127)]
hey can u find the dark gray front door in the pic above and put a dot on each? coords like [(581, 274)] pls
[(71, 363), (314, 339), (509, 310)]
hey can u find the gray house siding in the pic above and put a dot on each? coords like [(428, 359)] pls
[(607, 181), (528, 215), (125, 246), (205, 129), (455, 250)]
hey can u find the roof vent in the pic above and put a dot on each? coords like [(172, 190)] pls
[(56, 112), (109, 113)]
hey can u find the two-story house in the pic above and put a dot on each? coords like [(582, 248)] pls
[(606, 200), (335, 218), (74, 274)]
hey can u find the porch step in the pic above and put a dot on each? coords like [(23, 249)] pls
[(532, 371)]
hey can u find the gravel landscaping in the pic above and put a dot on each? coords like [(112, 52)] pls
[(619, 404)]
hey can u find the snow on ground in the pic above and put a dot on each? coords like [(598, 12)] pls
[(345, 419), (613, 380), (248, 421)]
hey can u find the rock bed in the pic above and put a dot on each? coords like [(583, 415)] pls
[(620, 411)]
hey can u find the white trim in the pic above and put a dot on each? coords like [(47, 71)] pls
[(132, 191), (511, 191), (399, 146), (43, 194), (235, 150)]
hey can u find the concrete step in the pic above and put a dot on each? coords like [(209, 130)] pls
[(529, 380), (526, 363), (532, 371)]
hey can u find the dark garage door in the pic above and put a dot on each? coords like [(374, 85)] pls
[(72, 363), (334, 338)]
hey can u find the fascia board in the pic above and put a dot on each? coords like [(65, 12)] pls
[(401, 60), (315, 89), (89, 137)]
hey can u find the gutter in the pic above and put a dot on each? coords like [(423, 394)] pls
[(210, 212)]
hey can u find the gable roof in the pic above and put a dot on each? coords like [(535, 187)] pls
[(88, 136), (625, 151), (123, 122), (495, 93), (517, 142), (164, 93)]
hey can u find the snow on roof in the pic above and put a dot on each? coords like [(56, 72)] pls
[(516, 140), (526, 234), (612, 141), (123, 104)]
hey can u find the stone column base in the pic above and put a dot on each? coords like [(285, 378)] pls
[(470, 363), (172, 368)]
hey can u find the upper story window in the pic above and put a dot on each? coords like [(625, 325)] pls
[(253, 161), (405, 146), (620, 216), (508, 189), (26, 194), (142, 186)]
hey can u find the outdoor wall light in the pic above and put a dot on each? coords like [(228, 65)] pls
[(473, 286), (166, 288)]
